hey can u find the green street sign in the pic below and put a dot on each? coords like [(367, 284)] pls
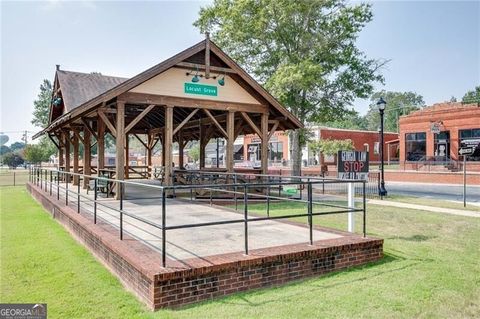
[(200, 89)]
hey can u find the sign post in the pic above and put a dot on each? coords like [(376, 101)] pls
[(464, 180), (467, 147), (352, 165)]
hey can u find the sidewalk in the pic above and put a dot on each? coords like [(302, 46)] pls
[(433, 209)]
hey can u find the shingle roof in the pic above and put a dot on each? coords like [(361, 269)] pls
[(78, 88)]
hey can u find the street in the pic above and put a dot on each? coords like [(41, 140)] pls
[(439, 191)]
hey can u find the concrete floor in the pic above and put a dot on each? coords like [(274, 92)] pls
[(192, 242)]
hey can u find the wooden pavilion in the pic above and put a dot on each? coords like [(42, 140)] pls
[(198, 94)]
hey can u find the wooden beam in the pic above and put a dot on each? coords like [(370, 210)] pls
[(149, 155), (140, 140), (120, 145), (76, 179), (127, 156), (180, 149), (185, 121), (87, 158), (230, 139), (194, 66), (214, 120), (107, 122), (252, 124), (264, 137), (139, 118), (142, 98), (207, 56), (100, 143), (77, 134), (168, 140), (66, 140), (201, 130), (89, 128), (274, 128), (53, 140), (238, 127), (61, 159)]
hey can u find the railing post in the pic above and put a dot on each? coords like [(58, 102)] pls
[(268, 197), (40, 176), (51, 180), (14, 179), (235, 192), (78, 197), (66, 188), (94, 200), (58, 185), (351, 206), (310, 208), (46, 179), (121, 210), (364, 212), (164, 254), (245, 217)]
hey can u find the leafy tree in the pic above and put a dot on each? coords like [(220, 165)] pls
[(194, 153), (4, 149), (351, 120), (398, 104), (41, 106), (472, 96), (304, 52), (12, 160), (17, 146), (36, 154), (41, 113), (331, 147)]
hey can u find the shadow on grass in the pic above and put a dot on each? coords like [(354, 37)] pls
[(415, 238), (312, 282)]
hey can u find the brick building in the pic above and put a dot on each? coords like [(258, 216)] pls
[(279, 150), (434, 134)]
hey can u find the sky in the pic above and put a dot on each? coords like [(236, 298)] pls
[(433, 46)]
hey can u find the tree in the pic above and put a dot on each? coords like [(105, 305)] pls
[(12, 160), (36, 154), (351, 120), (472, 96), (41, 106), (17, 146), (331, 147), (194, 153), (304, 53), (398, 104), (4, 149), (41, 113)]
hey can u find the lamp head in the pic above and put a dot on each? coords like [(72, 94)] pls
[(381, 104), (195, 78), (221, 81)]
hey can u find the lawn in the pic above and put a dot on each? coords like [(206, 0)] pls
[(432, 202), (431, 269)]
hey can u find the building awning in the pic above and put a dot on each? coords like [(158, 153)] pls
[(395, 141)]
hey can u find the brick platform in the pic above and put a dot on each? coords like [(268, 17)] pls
[(191, 280)]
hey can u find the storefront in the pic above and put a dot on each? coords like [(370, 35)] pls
[(436, 133)]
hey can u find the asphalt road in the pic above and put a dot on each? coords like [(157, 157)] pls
[(439, 191)]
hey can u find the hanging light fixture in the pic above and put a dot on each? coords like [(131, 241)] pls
[(57, 101), (221, 81)]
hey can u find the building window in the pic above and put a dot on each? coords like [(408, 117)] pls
[(276, 151), (415, 146), (441, 147), (471, 138)]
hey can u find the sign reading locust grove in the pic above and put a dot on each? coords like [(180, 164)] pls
[(200, 89), (352, 165)]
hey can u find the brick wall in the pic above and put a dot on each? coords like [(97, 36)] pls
[(184, 282)]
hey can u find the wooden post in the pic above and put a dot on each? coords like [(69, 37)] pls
[(264, 151), (66, 140), (127, 157), (87, 157), (120, 146), (75, 159), (230, 140), (180, 149), (162, 136), (149, 154), (168, 140), (61, 159), (202, 146), (100, 144)]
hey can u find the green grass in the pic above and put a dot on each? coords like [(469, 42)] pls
[(432, 202), (431, 269)]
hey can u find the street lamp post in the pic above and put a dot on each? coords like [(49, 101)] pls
[(381, 104)]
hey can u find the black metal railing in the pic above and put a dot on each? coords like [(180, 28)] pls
[(55, 182)]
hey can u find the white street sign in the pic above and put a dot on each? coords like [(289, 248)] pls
[(466, 151)]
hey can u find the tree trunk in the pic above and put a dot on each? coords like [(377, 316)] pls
[(296, 153)]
